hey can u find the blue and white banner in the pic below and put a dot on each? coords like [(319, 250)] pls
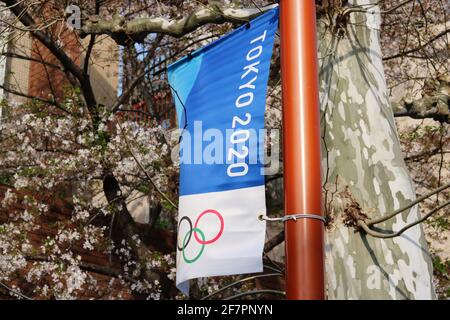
[(220, 96)]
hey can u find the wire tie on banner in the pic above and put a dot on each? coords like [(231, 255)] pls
[(293, 217)]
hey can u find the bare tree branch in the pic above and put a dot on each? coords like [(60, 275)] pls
[(435, 107), (162, 194), (91, 42), (425, 154), (137, 29), (256, 292), (275, 241), (14, 292), (17, 93), (106, 271), (23, 57), (410, 205), (26, 19), (241, 281), (407, 52), (378, 234)]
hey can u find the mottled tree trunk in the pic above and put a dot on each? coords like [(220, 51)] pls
[(361, 152)]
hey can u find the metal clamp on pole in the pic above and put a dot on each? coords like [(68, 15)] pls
[(294, 217)]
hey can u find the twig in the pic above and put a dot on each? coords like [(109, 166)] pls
[(404, 53), (9, 186), (377, 234), (89, 268), (240, 281), (124, 96), (17, 93), (145, 171), (49, 81), (24, 57), (255, 292), (410, 205), (135, 111), (69, 65), (15, 292), (277, 268)]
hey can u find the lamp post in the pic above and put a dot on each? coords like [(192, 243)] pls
[(301, 151)]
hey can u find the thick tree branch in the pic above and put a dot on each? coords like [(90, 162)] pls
[(436, 106), (91, 44), (137, 29), (275, 241), (87, 56), (124, 226)]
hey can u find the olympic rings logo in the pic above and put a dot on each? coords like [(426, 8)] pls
[(194, 230)]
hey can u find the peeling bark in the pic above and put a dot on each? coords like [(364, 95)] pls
[(361, 151), (137, 29)]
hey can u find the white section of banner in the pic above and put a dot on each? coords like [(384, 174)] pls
[(222, 234)]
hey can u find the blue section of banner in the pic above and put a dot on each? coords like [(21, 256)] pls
[(221, 89), (183, 78)]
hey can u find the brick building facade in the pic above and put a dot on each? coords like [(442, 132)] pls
[(26, 76)]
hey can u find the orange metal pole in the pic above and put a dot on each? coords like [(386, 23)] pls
[(301, 151)]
